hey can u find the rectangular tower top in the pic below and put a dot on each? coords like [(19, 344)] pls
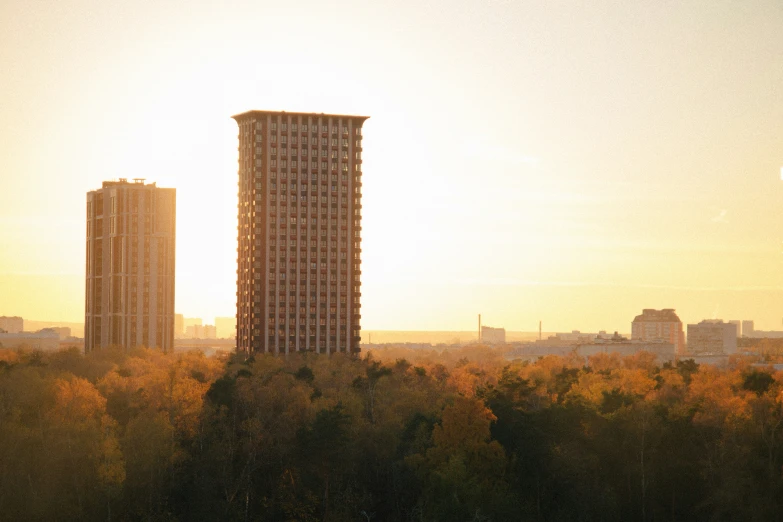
[(249, 114)]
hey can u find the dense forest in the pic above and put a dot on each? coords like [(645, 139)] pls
[(396, 435)]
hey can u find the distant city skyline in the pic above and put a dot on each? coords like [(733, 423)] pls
[(566, 163)]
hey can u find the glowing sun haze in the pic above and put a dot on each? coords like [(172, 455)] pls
[(527, 160)]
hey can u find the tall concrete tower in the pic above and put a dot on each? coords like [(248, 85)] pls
[(299, 235), (131, 231)]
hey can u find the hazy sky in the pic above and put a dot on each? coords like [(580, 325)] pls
[(572, 162)]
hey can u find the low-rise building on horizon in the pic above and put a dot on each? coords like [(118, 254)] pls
[(713, 337), (13, 324), (46, 340), (490, 335)]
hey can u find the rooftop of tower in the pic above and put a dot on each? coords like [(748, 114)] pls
[(667, 315), (246, 114)]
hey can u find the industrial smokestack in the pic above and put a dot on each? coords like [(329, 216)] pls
[(539, 330), (479, 330)]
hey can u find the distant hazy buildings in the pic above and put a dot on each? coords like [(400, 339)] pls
[(663, 350), (567, 339), (712, 337), (179, 325), (47, 341), (197, 331), (226, 327), (738, 324), (748, 328), (491, 335), (585, 345), (11, 324), (63, 332), (299, 234), (192, 321), (130, 266), (659, 325)]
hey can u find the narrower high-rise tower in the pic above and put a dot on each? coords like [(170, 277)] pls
[(299, 255), (130, 266)]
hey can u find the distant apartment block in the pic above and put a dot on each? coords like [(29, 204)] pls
[(659, 325), (197, 331), (738, 324), (179, 325), (299, 234), (11, 324), (191, 321), (748, 328), (130, 266), (226, 327), (491, 335), (712, 337)]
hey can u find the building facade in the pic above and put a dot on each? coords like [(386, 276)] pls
[(131, 230), (299, 232), (659, 325), (713, 337)]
